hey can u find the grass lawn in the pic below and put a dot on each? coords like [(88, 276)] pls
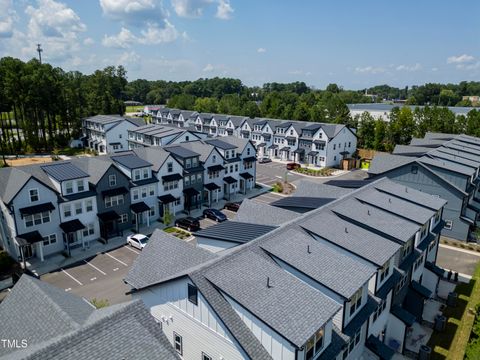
[(451, 343), (137, 108)]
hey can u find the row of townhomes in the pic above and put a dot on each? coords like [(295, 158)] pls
[(108, 133), (59, 206), (346, 280), (316, 144), (443, 165)]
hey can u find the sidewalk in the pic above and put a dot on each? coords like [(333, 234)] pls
[(58, 261)]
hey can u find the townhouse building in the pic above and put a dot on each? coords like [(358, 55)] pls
[(108, 133), (447, 167), (351, 262), (159, 135)]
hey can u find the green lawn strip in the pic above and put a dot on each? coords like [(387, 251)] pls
[(451, 343), (134, 108)]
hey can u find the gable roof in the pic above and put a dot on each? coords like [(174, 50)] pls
[(382, 163), (340, 273), (94, 167), (12, 180), (181, 258), (254, 212), (153, 155), (199, 147), (57, 324), (447, 165)]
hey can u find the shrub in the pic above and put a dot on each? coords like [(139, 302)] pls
[(277, 187), (100, 303)]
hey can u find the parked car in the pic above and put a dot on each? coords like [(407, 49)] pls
[(188, 223), (137, 240), (264, 160), (214, 214), (232, 206), (293, 166)]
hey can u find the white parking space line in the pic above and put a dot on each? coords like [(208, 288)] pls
[(93, 278), (210, 221), (129, 248), (96, 268), (116, 269), (71, 277), (68, 289), (114, 258)]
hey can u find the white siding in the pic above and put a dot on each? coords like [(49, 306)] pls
[(376, 327), (395, 331)]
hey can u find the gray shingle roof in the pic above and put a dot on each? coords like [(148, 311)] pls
[(304, 202), (395, 205), (309, 188), (130, 161), (11, 182), (410, 194), (59, 325), (235, 231), (94, 167), (177, 259), (240, 143), (199, 147), (64, 171), (331, 130), (157, 130), (259, 213), (376, 219), (221, 143), (408, 150), (453, 158), (153, 155), (244, 278), (459, 153), (432, 143), (104, 119), (448, 165), (385, 162), (338, 272), (356, 239)]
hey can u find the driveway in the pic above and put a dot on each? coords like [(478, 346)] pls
[(99, 277), (458, 260)]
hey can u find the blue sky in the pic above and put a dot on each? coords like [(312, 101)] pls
[(352, 43)]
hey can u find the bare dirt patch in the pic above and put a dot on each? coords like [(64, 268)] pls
[(28, 161)]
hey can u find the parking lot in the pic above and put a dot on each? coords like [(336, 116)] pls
[(267, 198), (205, 223), (99, 277), (270, 173)]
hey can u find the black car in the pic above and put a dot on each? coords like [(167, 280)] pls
[(232, 206), (188, 223), (214, 214)]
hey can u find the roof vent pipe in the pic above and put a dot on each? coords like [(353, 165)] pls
[(268, 282), (308, 249)]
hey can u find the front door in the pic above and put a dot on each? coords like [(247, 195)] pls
[(242, 186), (27, 251)]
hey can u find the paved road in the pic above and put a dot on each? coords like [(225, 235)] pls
[(100, 277), (456, 260)]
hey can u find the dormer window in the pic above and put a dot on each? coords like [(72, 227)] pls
[(80, 185), (384, 271), (188, 163), (136, 174), (33, 195), (355, 301), (194, 162), (145, 173)]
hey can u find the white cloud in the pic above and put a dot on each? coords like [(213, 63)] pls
[(208, 68), (157, 35), (300, 72), (190, 8), (224, 10), (134, 12), (261, 50), (7, 17), (369, 70), (461, 59), (88, 41), (434, 69), (123, 40), (409, 68)]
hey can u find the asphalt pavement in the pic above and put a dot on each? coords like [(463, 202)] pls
[(457, 260)]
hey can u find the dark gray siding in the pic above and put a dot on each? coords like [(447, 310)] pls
[(103, 184)]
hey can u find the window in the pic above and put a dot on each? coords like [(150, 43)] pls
[(214, 159), (199, 178), (113, 200), (384, 271), (152, 211), (68, 187), (123, 218), (187, 180), (349, 144), (400, 284), (194, 162), (67, 211), (206, 357), (49, 239), (135, 194), (354, 340), (314, 345), (192, 179), (355, 301), (334, 146), (33, 195), (78, 208), (424, 231), (192, 294), (145, 173), (89, 205), (177, 340), (178, 201), (136, 174), (144, 192), (112, 180), (151, 190), (89, 230), (407, 248), (37, 219), (448, 224), (170, 167), (418, 263), (80, 185), (379, 310), (432, 245), (414, 169), (236, 167), (188, 163)]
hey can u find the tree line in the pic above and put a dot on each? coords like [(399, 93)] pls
[(405, 124), (41, 106)]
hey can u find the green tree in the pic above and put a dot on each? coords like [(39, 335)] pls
[(208, 105), (366, 131)]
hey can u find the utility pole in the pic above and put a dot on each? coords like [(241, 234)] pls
[(39, 50)]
